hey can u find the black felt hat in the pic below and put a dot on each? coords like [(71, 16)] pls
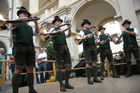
[(101, 27), (57, 18), (126, 22), (23, 9), (85, 21)]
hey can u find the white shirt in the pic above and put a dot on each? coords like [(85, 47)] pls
[(135, 31), (34, 32), (44, 54)]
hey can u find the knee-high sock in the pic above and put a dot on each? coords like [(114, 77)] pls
[(129, 67), (88, 73), (59, 77), (30, 81), (138, 66), (16, 80), (102, 71), (94, 69), (67, 75)]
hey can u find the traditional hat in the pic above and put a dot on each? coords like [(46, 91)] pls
[(126, 22), (85, 21), (57, 18), (23, 9), (101, 27)]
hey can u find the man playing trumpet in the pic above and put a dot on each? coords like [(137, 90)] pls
[(24, 52), (105, 51), (89, 49), (130, 46), (61, 53)]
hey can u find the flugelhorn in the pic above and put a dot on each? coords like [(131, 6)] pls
[(67, 22), (120, 37), (3, 22)]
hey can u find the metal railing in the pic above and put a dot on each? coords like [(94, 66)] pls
[(3, 74)]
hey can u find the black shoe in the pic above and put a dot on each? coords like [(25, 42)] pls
[(34, 91), (97, 80), (116, 76), (102, 78), (62, 89), (90, 82), (128, 75), (68, 86)]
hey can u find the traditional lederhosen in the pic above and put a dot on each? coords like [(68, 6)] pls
[(105, 51), (90, 56), (131, 46), (24, 52), (89, 48), (61, 50)]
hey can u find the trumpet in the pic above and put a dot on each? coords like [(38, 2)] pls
[(45, 34), (67, 22), (120, 37), (53, 33), (3, 22)]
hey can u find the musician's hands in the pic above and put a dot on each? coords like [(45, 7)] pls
[(107, 34), (117, 42), (61, 31), (24, 19), (35, 21), (102, 42), (126, 31), (69, 26), (68, 22), (89, 35)]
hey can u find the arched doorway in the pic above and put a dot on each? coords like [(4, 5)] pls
[(99, 12)]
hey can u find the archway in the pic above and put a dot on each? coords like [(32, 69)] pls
[(99, 12)]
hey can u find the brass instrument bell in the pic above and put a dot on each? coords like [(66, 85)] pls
[(44, 36)]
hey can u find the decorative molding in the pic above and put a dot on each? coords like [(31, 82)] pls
[(64, 10), (41, 11)]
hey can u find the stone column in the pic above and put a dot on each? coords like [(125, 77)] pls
[(33, 6), (128, 12)]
